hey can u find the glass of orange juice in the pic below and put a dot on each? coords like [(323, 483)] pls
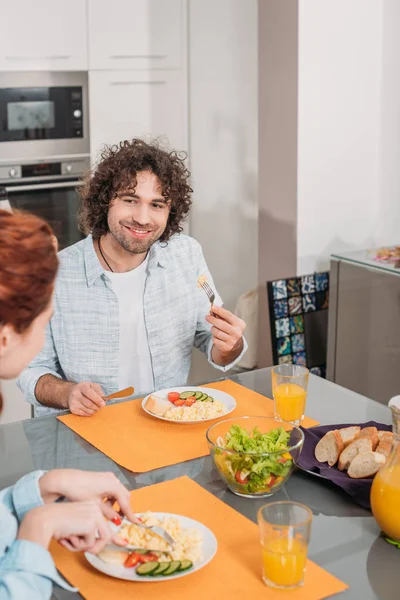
[(284, 534), (289, 388)]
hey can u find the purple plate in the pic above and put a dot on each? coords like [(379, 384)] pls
[(358, 489)]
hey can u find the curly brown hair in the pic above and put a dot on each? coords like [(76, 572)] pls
[(117, 172)]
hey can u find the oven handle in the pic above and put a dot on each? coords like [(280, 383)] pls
[(44, 186)]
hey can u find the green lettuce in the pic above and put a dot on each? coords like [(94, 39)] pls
[(255, 471)]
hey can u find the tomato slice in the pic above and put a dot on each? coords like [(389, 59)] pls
[(191, 400), (240, 479), (116, 520), (173, 396), (144, 558), (132, 560), (180, 402)]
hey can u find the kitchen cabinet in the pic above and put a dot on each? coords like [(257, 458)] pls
[(127, 104), (43, 36), (137, 34)]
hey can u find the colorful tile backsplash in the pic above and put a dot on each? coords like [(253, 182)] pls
[(289, 300)]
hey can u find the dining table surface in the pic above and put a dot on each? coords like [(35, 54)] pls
[(345, 539)]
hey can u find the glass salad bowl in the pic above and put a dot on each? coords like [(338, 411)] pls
[(254, 455)]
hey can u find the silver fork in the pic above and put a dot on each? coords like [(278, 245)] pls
[(211, 295), (157, 530)]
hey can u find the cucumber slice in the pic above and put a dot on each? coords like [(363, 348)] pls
[(147, 568), (204, 397), (210, 399), (198, 395), (173, 568), (185, 565), (162, 567), (185, 395)]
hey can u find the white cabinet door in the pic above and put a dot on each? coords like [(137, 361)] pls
[(127, 104), (43, 35), (137, 34)]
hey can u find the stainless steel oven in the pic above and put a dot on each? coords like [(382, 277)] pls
[(43, 115), (49, 190)]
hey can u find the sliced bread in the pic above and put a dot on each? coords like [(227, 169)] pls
[(385, 435), (372, 433), (157, 405), (366, 464), (361, 444), (384, 447), (349, 434), (329, 448)]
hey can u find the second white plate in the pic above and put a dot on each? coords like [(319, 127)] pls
[(208, 550), (223, 397)]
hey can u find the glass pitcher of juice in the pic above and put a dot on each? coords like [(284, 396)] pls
[(385, 493)]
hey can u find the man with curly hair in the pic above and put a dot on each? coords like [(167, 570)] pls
[(127, 306)]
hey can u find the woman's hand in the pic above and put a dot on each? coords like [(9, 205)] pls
[(78, 526), (102, 488)]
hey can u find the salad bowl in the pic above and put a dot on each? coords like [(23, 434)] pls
[(254, 455)]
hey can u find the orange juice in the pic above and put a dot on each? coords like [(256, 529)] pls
[(284, 561), (385, 500), (290, 401)]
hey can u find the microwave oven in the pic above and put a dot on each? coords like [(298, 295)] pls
[(43, 115)]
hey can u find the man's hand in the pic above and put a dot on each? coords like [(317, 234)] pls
[(227, 334), (85, 398)]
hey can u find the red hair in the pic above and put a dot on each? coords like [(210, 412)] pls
[(28, 267)]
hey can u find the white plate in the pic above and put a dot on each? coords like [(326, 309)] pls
[(223, 397), (208, 550)]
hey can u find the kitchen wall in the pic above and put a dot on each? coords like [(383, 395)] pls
[(388, 217), (223, 126), (329, 134), (349, 128), (340, 66)]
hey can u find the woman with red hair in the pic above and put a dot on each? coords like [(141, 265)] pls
[(30, 511)]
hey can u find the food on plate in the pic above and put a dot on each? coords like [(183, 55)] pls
[(360, 452), (186, 406), (157, 405), (329, 448), (187, 544), (196, 411), (349, 434), (366, 464), (173, 396), (165, 569), (112, 557), (161, 559), (362, 444), (251, 464)]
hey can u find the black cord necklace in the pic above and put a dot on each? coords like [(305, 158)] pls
[(103, 257)]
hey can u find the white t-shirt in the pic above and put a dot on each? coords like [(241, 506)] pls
[(134, 355)]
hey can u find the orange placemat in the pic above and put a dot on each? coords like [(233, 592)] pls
[(234, 573), (139, 442)]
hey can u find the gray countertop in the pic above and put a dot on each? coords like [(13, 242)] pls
[(366, 258), (345, 538)]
